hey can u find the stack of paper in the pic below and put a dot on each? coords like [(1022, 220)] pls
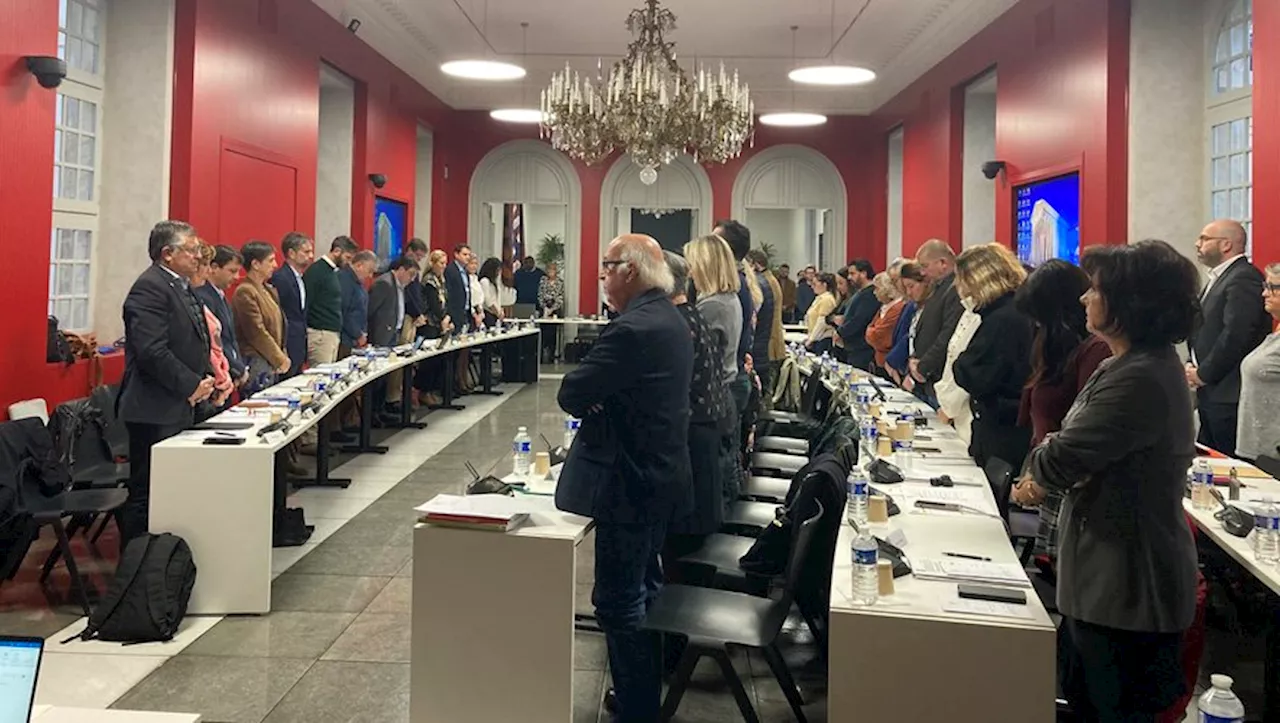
[(498, 513), (975, 499), (958, 570)]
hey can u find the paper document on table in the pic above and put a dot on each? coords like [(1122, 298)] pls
[(987, 608), (488, 512), (971, 497), (1004, 573)]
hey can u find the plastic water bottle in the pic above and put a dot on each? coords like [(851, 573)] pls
[(904, 453), (856, 507), (866, 582), (1267, 531), (571, 424), (869, 433), (1201, 483), (1219, 704), (863, 400), (522, 451)]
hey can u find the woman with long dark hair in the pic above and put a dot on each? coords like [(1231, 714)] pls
[(1063, 357), (1127, 560), (490, 283)]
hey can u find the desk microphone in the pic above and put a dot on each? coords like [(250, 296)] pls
[(557, 454)]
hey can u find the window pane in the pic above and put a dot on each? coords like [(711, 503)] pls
[(86, 151), (1237, 204), (85, 192), (1223, 82), (62, 13), (88, 116), (80, 314), (1248, 167), (74, 15), (90, 53), (1220, 173), (57, 144), (1237, 73), (67, 188), (64, 280), (62, 45), (83, 240), (1221, 138), (58, 109), (1221, 202), (1239, 134), (66, 243), (70, 112), (1220, 54), (90, 25), (80, 279), (63, 311), (1237, 170), (1248, 199), (1237, 40), (73, 52), (70, 148)]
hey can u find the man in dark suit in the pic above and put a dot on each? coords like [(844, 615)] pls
[(352, 277), (299, 252), (939, 316), (1234, 323), (224, 270), (457, 288), (387, 301), (629, 466), (860, 312), (166, 360)]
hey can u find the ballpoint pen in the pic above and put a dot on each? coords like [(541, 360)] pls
[(963, 556)]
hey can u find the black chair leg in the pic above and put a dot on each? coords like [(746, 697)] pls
[(788, 684), (77, 585), (679, 682), (735, 684), (106, 520)]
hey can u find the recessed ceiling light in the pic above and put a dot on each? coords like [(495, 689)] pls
[(517, 115), (793, 119), (832, 75), (482, 70)]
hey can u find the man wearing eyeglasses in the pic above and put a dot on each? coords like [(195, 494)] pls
[(1234, 324), (628, 468), (166, 360)]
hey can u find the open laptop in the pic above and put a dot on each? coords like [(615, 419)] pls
[(19, 664)]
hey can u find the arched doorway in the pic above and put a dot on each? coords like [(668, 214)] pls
[(793, 197), (538, 177), (681, 194)]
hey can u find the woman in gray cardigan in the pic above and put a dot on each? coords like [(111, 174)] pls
[(1258, 421), (1127, 560)]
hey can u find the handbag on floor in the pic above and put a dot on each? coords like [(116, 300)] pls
[(148, 596)]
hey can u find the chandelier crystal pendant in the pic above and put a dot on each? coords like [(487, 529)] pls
[(647, 106)]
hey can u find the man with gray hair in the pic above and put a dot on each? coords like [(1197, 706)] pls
[(1235, 322), (938, 317), (629, 466)]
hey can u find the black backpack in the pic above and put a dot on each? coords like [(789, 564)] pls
[(56, 347), (148, 596)]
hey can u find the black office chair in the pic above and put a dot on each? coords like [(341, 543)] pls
[(1022, 525), (774, 475), (713, 620)]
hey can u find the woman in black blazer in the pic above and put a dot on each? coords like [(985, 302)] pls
[(994, 368), (429, 378)]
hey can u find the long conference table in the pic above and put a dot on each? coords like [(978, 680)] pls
[(505, 611), (219, 497)]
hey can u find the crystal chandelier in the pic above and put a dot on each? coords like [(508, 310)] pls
[(647, 106), (658, 212)]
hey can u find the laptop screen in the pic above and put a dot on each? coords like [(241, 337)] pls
[(19, 662)]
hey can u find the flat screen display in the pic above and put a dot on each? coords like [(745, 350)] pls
[(19, 663), (1047, 219), (389, 222)]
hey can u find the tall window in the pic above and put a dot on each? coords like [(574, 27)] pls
[(1229, 114), (76, 162)]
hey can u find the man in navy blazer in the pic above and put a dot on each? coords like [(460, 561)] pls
[(299, 252), (629, 466), (457, 288), (859, 313), (223, 271)]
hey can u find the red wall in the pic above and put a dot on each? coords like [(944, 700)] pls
[(1266, 132), (1061, 103), (29, 27), (470, 135), (247, 83)]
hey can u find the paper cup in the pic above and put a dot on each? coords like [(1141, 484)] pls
[(542, 464), (877, 509)]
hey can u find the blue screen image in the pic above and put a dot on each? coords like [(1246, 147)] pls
[(389, 219), (1047, 219)]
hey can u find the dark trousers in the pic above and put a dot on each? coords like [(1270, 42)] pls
[(135, 513), (767, 371), (628, 578), (1218, 426), (740, 390), (1118, 676)]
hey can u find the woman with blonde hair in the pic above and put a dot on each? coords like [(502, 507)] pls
[(879, 334), (716, 281), (994, 368), (821, 332)]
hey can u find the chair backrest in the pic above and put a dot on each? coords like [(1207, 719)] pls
[(30, 409), (1000, 477), (801, 544), (823, 491), (114, 431)]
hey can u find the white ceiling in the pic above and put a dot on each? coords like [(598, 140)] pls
[(899, 39)]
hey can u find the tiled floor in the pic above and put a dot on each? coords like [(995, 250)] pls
[(336, 645)]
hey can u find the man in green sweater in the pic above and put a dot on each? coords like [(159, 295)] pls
[(324, 301)]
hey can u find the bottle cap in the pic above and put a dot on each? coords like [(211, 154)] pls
[(1218, 680)]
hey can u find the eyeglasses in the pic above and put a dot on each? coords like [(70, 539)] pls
[(1271, 288), (1204, 238), (612, 263)]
